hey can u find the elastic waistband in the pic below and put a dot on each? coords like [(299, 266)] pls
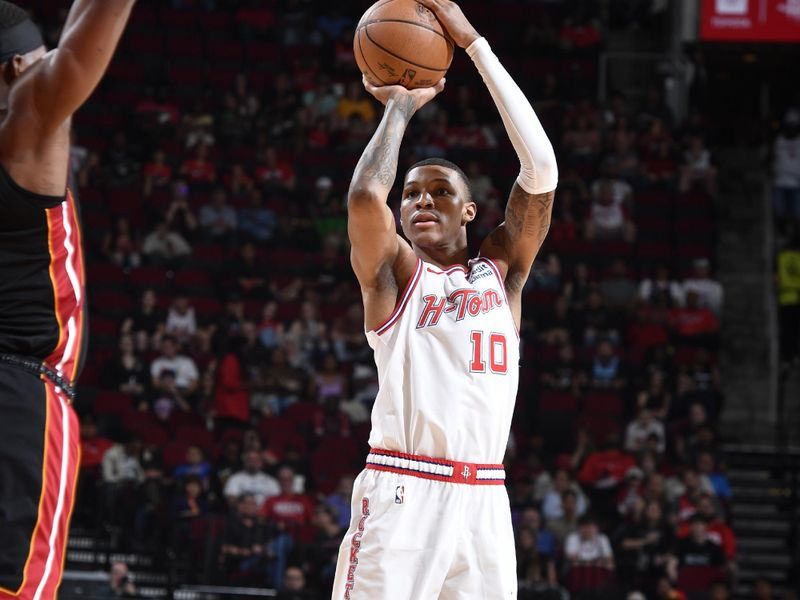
[(40, 369), (438, 469)]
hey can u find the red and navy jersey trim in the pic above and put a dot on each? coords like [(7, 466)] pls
[(435, 469)]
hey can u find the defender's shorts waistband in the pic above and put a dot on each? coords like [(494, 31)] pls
[(438, 469), (40, 369)]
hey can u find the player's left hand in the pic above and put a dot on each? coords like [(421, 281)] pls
[(453, 20), (421, 96)]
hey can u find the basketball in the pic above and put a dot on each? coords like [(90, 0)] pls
[(401, 42)]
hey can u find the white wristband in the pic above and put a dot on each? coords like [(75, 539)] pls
[(538, 168)]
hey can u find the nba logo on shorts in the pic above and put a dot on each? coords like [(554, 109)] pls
[(731, 7), (399, 494)]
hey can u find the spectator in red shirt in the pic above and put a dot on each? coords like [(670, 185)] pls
[(693, 321), (93, 446), (688, 502), (231, 400), (717, 530), (157, 173), (288, 508), (606, 468), (198, 169), (272, 173)]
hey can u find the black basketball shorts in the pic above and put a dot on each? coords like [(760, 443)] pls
[(39, 460)]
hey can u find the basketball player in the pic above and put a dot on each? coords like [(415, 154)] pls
[(431, 516), (42, 295)]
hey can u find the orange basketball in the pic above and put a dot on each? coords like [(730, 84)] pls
[(402, 42)]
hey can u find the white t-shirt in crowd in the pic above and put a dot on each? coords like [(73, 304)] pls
[(261, 485), (786, 162), (590, 550), (709, 291), (181, 326), (636, 435), (184, 368)]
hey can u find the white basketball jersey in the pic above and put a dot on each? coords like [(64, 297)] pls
[(448, 366)]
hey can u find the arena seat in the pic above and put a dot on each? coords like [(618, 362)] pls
[(112, 403), (698, 578), (585, 577), (195, 436), (607, 404)]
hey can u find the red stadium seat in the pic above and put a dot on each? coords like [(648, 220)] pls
[(195, 436), (189, 280), (263, 52), (174, 454), (156, 278), (583, 577), (182, 418), (146, 43), (225, 49), (698, 578), (112, 403), (554, 401), (105, 275), (602, 403), (303, 414), (600, 426)]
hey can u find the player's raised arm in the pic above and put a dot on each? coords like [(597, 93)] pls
[(513, 244), (69, 74), (379, 256)]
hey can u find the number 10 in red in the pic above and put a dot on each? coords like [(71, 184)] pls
[(496, 350)]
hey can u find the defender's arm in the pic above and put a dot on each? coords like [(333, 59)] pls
[(70, 73)]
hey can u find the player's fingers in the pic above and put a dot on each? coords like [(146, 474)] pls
[(367, 85), (440, 86)]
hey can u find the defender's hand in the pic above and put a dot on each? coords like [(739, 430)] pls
[(453, 20), (421, 96)]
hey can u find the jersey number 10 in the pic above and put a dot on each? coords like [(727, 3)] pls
[(495, 350)]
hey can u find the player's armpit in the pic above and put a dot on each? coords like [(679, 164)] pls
[(515, 243)]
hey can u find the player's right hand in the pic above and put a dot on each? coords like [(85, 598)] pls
[(421, 96), (452, 18)]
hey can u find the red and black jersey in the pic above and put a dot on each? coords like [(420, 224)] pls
[(42, 292)]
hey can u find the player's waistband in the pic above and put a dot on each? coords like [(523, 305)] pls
[(438, 469), (40, 369)]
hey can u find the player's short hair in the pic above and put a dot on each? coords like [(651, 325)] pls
[(441, 162), (11, 15)]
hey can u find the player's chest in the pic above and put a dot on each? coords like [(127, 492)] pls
[(460, 300)]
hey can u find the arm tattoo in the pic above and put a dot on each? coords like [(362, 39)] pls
[(378, 163), (528, 215)]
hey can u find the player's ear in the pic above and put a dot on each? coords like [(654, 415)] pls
[(12, 69), (470, 212)]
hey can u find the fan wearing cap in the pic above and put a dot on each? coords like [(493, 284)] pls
[(42, 294)]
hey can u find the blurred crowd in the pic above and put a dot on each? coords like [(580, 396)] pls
[(225, 404)]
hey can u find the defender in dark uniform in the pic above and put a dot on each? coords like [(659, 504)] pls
[(42, 294)]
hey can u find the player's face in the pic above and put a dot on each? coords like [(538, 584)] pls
[(435, 206)]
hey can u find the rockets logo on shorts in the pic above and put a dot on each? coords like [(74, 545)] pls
[(355, 546), (399, 494)]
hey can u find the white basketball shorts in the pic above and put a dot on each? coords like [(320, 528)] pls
[(427, 529)]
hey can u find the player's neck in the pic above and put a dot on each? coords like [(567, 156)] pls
[(443, 257)]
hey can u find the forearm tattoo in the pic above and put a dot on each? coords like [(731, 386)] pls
[(528, 215), (379, 161)]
